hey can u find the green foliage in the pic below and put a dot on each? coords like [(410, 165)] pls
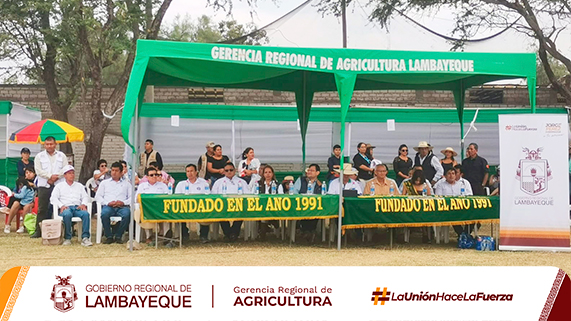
[(559, 70), (205, 30)]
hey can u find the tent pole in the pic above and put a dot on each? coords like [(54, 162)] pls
[(133, 173), (233, 146), (349, 130)]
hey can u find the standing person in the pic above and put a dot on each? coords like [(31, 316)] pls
[(194, 185), (448, 161), (49, 164), (362, 163), (232, 184), (475, 169), (72, 200), (24, 162), (115, 197), (148, 156), (308, 184), (402, 164), (334, 163), (216, 164), (248, 169), (202, 163), (152, 185), (430, 164)]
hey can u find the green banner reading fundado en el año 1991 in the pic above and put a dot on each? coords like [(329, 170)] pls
[(210, 208)]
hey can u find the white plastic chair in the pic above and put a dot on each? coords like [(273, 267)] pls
[(99, 230), (56, 216)]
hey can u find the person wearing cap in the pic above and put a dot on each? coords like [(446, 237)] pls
[(348, 183), (475, 169), (24, 162), (430, 164), (149, 156), (362, 163), (114, 195), (448, 161), (203, 161), (71, 199), (48, 165)]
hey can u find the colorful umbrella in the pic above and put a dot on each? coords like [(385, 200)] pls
[(38, 131)]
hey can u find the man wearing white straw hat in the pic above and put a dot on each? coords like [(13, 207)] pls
[(348, 183), (430, 164)]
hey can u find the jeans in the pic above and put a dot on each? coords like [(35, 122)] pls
[(68, 214), (108, 211)]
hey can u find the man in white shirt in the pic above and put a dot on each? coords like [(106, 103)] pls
[(348, 183), (71, 199), (232, 184), (460, 179), (48, 165), (151, 186), (115, 197), (193, 185), (452, 187)]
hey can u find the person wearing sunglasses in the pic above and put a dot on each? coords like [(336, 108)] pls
[(231, 183), (402, 164), (101, 173), (153, 185)]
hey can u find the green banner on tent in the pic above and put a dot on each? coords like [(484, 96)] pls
[(399, 211), (212, 208)]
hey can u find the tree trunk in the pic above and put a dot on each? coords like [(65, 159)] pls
[(93, 146)]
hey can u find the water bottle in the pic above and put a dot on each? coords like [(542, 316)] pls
[(256, 188), (424, 192), (207, 189), (240, 189), (274, 188), (170, 187), (323, 188), (224, 188), (290, 187), (372, 192), (462, 190), (309, 188), (187, 188), (392, 190)]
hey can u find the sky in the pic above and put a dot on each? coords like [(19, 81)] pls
[(308, 28)]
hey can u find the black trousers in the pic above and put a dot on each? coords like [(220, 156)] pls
[(44, 195), (231, 230), (308, 225)]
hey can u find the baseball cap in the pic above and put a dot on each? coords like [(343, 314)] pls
[(210, 144), (67, 168)]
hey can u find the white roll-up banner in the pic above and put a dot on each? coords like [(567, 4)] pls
[(534, 193)]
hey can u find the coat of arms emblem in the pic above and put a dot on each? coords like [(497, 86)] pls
[(533, 172), (63, 294)]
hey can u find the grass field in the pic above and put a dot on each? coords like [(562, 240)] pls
[(17, 250)]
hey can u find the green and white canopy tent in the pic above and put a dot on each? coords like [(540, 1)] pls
[(14, 116), (306, 71)]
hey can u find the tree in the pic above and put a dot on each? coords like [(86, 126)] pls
[(207, 31), (71, 45), (542, 20)]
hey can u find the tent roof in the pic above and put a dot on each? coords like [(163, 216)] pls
[(309, 70)]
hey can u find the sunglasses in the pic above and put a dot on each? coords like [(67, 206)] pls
[(155, 175), (404, 150), (102, 165), (229, 170)]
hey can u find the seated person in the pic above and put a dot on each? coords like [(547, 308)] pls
[(231, 183), (407, 183), (72, 200), (303, 185), (460, 179), (382, 183), (269, 177), (248, 168), (286, 183), (101, 173), (194, 185), (115, 197), (23, 198), (151, 186), (163, 177), (348, 182), (450, 186)]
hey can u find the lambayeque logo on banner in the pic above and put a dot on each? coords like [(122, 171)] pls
[(63, 294), (533, 172)]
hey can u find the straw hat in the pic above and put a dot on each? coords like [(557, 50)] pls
[(210, 144), (347, 170), (449, 149), (371, 146), (423, 145), (288, 178)]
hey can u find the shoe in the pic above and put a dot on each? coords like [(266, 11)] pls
[(36, 235), (170, 245), (119, 240), (86, 242), (109, 240), (20, 230), (204, 240), (7, 229), (66, 242), (168, 234), (149, 240)]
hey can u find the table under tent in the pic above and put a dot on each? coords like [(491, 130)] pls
[(306, 71)]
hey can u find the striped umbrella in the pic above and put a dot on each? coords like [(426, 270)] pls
[(38, 131)]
